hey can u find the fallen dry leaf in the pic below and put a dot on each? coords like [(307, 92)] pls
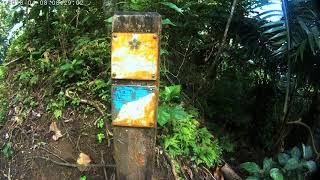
[(54, 128), (83, 159)]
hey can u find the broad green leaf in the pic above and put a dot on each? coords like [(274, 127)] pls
[(316, 35), (173, 6), (109, 20), (251, 167), (168, 22), (301, 48), (295, 153), (83, 178), (303, 25), (281, 50), (270, 12), (171, 141), (307, 151), (281, 34), (57, 114), (311, 43), (66, 67), (280, 42), (275, 29), (163, 115), (276, 174), (267, 164), (310, 165), (272, 15), (2, 72), (292, 164), (171, 92), (252, 178), (164, 52), (85, 19), (283, 158), (178, 113), (7, 149)]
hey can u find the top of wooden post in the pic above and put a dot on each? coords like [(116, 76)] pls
[(136, 22)]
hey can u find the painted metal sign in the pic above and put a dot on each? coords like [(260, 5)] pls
[(134, 105), (135, 56)]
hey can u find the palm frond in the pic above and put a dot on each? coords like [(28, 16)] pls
[(304, 28)]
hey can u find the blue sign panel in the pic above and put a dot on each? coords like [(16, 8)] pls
[(134, 106)]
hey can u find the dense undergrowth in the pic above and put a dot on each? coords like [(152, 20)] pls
[(70, 63)]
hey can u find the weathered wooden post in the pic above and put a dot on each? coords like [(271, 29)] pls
[(135, 87)]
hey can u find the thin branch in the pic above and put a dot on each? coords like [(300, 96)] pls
[(287, 97), (208, 172), (13, 61), (184, 57), (217, 59), (299, 122), (104, 169), (173, 168)]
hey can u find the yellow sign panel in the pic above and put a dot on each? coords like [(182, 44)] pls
[(135, 56)]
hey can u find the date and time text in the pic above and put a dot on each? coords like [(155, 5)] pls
[(46, 2)]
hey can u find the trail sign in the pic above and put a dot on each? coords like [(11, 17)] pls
[(135, 84), (134, 56)]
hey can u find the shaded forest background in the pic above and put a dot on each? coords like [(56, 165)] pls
[(239, 79)]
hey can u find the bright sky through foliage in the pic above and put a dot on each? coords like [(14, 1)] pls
[(276, 5)]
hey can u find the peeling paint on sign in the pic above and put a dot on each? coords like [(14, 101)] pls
[(134, 106), (135, 56)]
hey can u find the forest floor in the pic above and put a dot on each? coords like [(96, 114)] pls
[(36, 155)]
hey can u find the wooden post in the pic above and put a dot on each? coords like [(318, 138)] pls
[(135, 82)]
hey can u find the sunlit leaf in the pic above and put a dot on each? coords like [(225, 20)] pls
[(310, 165), (280, 50), (307, 151), (171, 92), (168, 22), (252, 178), (268, 12), (164, 52), (281, 34), (251, 167), (173, 6), (163, 115), (267, 164), (109, 20), (275, 29), (276, 174), (277, 15), (178, 113), (295, 153)]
